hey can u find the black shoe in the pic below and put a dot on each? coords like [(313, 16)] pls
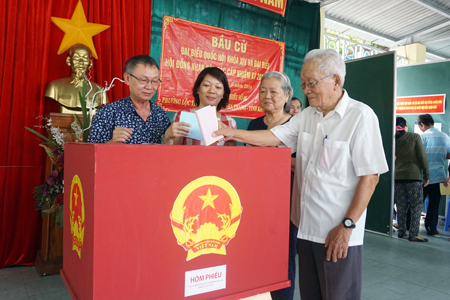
[(417, 239), (402, 235), (432, 233)]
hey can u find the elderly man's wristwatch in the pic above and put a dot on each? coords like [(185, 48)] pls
[(348, 223)]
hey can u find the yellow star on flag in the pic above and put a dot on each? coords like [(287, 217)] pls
[(208, 199), (78, 30)]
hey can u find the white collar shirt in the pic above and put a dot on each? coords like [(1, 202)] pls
[(332, 153)]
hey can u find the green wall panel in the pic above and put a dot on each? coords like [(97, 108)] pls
[(372, 81), (426, 79)]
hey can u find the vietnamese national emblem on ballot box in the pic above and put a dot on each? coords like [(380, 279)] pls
[(77, 214), (205, 216)]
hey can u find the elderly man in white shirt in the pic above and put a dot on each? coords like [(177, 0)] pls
[(339, 158)]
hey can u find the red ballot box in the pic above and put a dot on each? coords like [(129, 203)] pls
[(175, 222)]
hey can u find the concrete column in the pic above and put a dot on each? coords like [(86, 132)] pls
[(413, 53), (322, 28)]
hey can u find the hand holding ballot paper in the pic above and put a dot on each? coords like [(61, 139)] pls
[(203, 123), (195, 126)]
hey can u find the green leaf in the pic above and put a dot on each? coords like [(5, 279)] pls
[(59, 216), (44, 138), (78, 120)]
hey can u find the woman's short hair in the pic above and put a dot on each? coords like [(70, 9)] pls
[(219, 75), (284, 79), (330, 62), (285, 85)]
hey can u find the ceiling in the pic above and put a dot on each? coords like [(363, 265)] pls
[(393, 23)]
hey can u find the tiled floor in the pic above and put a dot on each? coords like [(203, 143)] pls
[(398, 269), (393, 269), (23, 283)]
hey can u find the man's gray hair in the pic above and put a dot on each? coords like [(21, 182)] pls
[(146, 60), (330, 62), (285, 82)]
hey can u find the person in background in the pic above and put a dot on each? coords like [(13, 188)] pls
[(134, 119), (210, 88), (410, 162), (296, 106), (295, 109), (275, 90), (341, 155), (437, 148)]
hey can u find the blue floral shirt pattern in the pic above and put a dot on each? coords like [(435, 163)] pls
[(123, 114)]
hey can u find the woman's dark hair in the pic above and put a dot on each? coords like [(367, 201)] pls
[(219, 75), (400, 122)]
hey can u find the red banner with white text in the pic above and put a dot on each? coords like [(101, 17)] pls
[(415, 105), (277, 6), (189, 47)]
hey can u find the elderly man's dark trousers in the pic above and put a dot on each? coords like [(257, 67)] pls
[(434, 196), (320, 279)]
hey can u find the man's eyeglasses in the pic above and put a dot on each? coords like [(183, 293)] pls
[(313, 84), (143, 82)]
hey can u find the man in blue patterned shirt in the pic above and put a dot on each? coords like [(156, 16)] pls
[(437, 148), (134, 119)]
